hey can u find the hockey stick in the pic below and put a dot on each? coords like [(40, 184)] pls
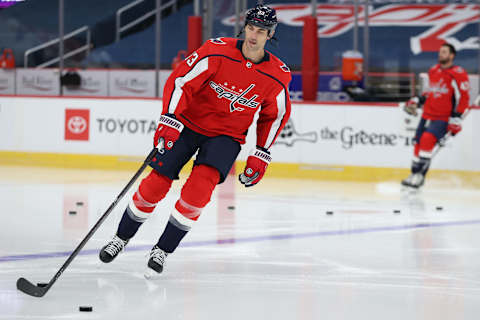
[(39, 291)]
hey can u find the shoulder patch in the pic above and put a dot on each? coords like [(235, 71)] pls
[(218, 41), (285, 68), (458, 69), (465, 86)]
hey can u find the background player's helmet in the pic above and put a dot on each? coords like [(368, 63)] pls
[(263, 17)]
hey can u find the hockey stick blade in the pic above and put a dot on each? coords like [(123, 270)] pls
[(29, 288)]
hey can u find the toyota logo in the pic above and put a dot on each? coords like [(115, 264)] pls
[(77, 124)]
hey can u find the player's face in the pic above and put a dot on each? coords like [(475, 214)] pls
[(444, 55), (255, 37)]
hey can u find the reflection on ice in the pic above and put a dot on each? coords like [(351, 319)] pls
[(277, 254)]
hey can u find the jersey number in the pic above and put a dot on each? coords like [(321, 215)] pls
[(192, 58)]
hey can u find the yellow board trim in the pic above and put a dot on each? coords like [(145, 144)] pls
[(277, 170)]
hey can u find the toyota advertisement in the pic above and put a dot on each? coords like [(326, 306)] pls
[(77, 124)]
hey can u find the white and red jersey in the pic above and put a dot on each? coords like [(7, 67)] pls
[(447, 92), (217, 91)]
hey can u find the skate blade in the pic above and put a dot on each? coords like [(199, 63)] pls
[(410, 190), (151, 274)]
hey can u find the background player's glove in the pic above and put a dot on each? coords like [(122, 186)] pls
[(257, 163), (454, 125), (411, 106), (168, 131)]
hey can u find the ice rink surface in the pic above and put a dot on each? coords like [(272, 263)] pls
[(267, 252)]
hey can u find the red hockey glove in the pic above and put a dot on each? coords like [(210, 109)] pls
[(411, 106), (257, 163), (168, 131), (454, 125)]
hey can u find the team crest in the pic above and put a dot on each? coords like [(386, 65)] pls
[(238, 100), (217, 41), (285, 68)]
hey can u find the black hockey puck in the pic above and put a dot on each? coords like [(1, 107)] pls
[(72, 212), (231, 207), (42, 284), (85, 309), (439, 208), (396, 211), (329, 212), (79, 203)]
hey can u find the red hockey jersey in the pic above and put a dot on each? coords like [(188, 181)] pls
[(447, 92), (217, 91)]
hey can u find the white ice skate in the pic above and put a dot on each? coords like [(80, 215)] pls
[(414, 181)]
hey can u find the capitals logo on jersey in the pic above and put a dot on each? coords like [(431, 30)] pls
[(438, 88), (236, 98)]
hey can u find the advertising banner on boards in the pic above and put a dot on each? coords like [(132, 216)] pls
[(316, 134), (42, 82), (7, 81), (93, 83), (132, 83)]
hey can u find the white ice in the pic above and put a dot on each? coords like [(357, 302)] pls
[(275, 255)]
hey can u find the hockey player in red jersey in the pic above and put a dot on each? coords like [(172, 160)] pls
[(209, 102), (444, 103)]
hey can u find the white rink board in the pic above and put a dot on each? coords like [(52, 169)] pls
[(322, 134), (116, 126), (43, 82), (93, 83), (139, 83), (357, 135), (7, 81)]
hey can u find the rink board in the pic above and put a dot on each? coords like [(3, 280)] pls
[(340, 141)]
